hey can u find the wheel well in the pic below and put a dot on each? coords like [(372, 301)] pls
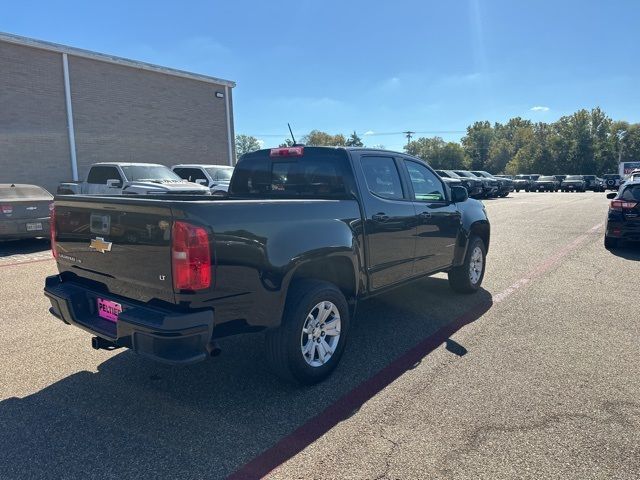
[(482, 230), (336, 270)]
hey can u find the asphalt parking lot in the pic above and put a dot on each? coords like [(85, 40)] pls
[(536, 376)]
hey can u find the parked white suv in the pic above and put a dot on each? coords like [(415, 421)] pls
[(115, 178), (216, 177)]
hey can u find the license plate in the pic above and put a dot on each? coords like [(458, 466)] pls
[(32, 227), (109, 310)]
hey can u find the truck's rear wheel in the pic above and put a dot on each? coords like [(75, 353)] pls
[(467, 278), (309, 343)]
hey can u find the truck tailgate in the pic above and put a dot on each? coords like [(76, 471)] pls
[(120, 245)]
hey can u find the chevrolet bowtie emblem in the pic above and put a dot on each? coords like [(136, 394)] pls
[(100, 245)]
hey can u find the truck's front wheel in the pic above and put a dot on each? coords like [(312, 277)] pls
[(309, 343), (467, 278)]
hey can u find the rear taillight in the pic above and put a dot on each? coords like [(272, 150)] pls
[(622, 205), (7, 209), (287, 152), (190, 257), (52, 229)]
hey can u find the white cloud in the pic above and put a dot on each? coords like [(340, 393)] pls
[(369, 132), (539, 108)]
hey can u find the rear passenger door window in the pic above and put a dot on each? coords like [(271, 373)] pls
[(382, 177)]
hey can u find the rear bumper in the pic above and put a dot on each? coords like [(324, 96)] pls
[(13, 229), (175, 338), (623, 229)]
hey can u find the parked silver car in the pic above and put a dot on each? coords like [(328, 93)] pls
[(24, 211)]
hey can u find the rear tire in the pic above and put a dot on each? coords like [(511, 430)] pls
[(467, 278), (301, 321), (611, 242)]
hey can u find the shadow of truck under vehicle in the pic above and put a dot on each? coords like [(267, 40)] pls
[(21, 247), (135, 418)]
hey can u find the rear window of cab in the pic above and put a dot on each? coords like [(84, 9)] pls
[(318, 173)]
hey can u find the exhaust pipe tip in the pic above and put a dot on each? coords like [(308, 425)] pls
[(213, 349)]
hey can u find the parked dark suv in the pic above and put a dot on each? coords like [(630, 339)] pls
[(612, 181), (505, 185), (591, 183), (522, 182), (623, 219), (546, 183), (473, 185), (489, 185), (573, 183)]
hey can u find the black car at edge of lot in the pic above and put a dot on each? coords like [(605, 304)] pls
[(623, 217)]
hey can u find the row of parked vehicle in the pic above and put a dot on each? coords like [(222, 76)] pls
[(479, 184), (482, 184), (565, 183)]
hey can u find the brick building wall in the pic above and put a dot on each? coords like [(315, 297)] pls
[(34, 142), (120, 113)]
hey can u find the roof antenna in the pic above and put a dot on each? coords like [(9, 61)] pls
[(291, 132)]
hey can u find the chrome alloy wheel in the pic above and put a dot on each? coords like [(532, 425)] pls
[(320, 334), (475, 265)]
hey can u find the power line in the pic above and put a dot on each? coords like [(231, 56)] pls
[(372, 134)]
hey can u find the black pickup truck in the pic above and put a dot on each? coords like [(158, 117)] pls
[(304, 234)]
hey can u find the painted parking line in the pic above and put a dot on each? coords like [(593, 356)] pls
[(343, 408), (21, 259)]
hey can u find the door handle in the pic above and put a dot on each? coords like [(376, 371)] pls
[(380, 217), (424, 215)]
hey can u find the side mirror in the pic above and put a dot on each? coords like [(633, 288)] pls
[(611, 195), (459, 194), (114, 183), (202, 181)]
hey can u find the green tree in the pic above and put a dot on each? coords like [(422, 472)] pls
[(246, 144), (631, 144), (354, 140), (287, 143), (476, 144), (319, 138), (437, 153)]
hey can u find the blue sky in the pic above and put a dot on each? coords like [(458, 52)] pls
[(371, 66)]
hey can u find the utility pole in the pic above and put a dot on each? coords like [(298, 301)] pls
[(408, 134), (620, 138)]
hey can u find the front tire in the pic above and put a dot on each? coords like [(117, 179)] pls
[(309, 343), (467, 278)]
